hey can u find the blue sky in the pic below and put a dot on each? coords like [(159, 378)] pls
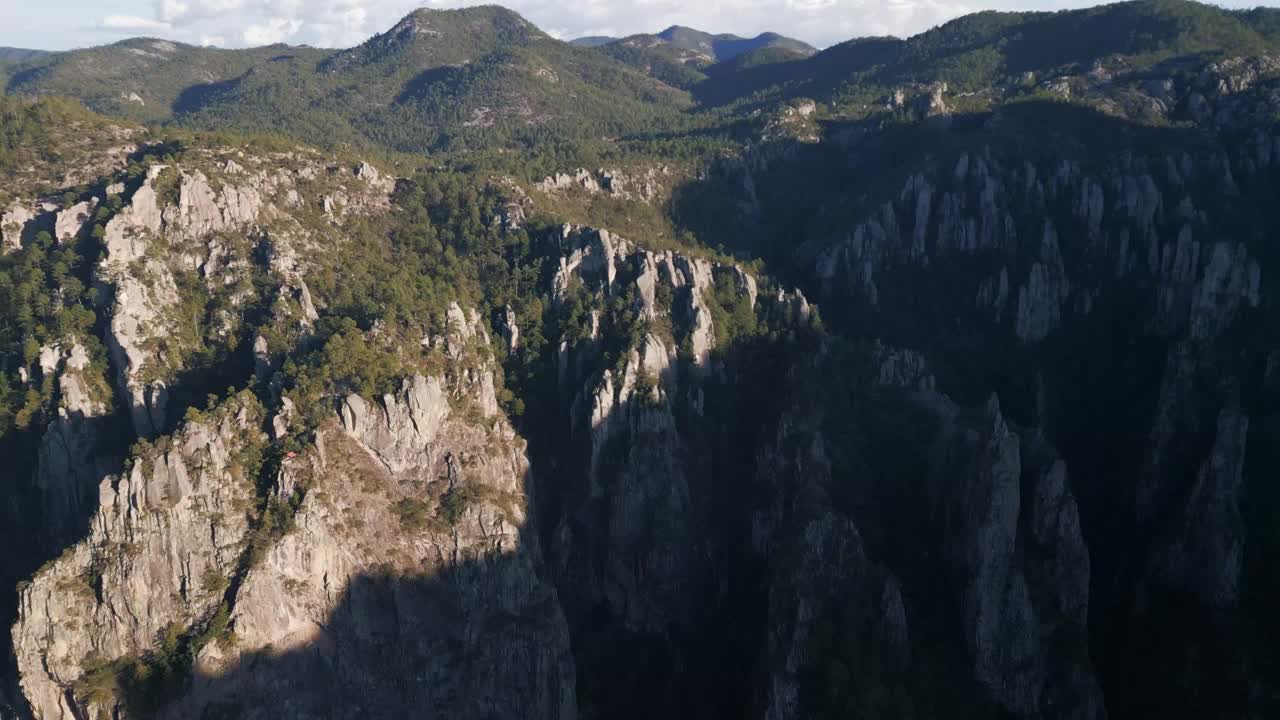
[(62, 24)]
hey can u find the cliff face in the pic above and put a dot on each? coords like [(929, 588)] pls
[(193, 261), (621, 404), (1117, 296), (68, 465), (1015, 465), (1144, 257), (663, 516), (944, 536), (411, 582), (163, 539), (383, 570), (155, 249), (650, 546)]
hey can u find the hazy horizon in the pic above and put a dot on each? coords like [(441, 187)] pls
[(344, 23)]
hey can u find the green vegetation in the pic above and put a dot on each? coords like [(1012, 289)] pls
[(213, 581), (415, 515), (27, 129), (732, 316), (45, 298), (143, 78), (444, 247), (679, 55), (144, 683), (479, 77), (662, 61), (486, 90), (455, 502), (489, 96), (988, 53)]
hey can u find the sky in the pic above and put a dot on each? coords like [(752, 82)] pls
[(64, 24)]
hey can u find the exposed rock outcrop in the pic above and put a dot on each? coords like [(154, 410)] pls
[(71, 221), (12, 223), (409, 514), (403, 512), (645, 186), (68, 470), (150, 246), (1129, 227), (163, 534)]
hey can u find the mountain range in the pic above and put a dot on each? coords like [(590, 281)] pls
[(701, 46), (8, 54), (471, 373)]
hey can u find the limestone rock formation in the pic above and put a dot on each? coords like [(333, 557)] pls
[(12, 223), (71, 221), (150, 244), (644, 186), (409, 513), (404, 509), (68, 469), (165, 537)]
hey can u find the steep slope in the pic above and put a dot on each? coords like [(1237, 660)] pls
[(1113, 282), (159, 277), (689, 552), (297, 438), (355, 524), (185, 551), (403, 519)]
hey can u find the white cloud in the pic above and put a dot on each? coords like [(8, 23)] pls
[(130, 23), (170, 10), (213, 40), (188, 11), (342, 23), (809, 5), (272, 31)]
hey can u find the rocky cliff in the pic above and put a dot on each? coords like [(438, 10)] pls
[(164, 539), (391, 556), (970, 413), (663, 516), (1111, 283), (411, 580)]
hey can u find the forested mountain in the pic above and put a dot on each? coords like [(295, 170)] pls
[(701, 47), (434, 80), (592, 40), (143, 78), (680, 56), (11, 55), (469, 373)]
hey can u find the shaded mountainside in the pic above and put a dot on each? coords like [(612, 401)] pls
[(1110, 282), (16, 55), (356, 507), (935, 377)]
